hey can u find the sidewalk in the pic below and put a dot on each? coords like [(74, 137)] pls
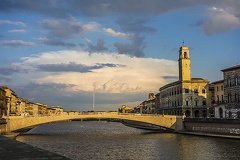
[(11, 149)]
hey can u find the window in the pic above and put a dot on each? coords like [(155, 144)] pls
[(186, 102), (196, 102), (228, 82), (221, 87), (185, 54), (204, 103), (195, 90), (217, 88), (203, 90), (186, 90), (229, 97), (236, 80)]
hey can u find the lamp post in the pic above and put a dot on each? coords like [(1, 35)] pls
[(191, 105)]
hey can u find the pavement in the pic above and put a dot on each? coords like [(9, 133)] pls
[(11, 149)]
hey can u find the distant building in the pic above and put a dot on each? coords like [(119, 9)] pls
[(42, 109), (125, 109), (12, 102), (32, 109), (232, 91), (218, 102), (149, 105), (187, 96), (3, 104)]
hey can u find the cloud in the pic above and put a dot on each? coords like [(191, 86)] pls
[(8, 70), (99, 47), (16, 43), (67, 28), (219, 20), (83, 69), (135, 48), (13, 23), (170, 77), (72, 67), (17, 31), (67, 78), (56, 42), (111, 32), (134, 25)]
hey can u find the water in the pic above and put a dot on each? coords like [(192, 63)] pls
[(100, 140)]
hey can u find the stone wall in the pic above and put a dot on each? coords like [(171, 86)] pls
[(212, 125)]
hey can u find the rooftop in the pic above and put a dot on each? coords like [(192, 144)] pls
[(219, 81), (231, 68)]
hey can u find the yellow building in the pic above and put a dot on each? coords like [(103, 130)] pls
[(218, 101), (187, 96), (125, 109), (12, 102), (3, 104), (42, 109)]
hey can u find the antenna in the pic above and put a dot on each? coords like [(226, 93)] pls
[(93, 98)]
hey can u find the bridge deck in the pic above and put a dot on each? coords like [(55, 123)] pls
[(166, 121)]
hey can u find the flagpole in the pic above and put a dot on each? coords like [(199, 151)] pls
[(93, 99)]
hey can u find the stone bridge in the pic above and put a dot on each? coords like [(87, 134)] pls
[(165, 121)]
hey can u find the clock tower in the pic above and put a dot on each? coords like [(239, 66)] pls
[(184, 64)]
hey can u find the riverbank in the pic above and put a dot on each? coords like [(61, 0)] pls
[(11, 149), (160, 129), (237, 137)]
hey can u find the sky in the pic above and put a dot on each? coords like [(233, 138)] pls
[(62, 52)]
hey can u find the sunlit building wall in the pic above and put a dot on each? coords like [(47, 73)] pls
[(187, 96), (232, 91)]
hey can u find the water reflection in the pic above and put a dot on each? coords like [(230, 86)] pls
[(111, 140)]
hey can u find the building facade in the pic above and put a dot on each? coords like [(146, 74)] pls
[(3, 104), (218, 102), (187, 96), (232, 91)]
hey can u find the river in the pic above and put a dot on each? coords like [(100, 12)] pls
[(101, 140)]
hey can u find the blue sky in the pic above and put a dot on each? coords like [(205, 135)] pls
[(58, 52)]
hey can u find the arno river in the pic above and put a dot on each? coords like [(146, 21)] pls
[(99, 140)]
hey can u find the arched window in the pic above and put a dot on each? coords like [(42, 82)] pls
[(187, 113), (220, 113), (230, 114), (185, 55), (204, 103), (204, 113), (196, 101), (238, 114), (196, 113)]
